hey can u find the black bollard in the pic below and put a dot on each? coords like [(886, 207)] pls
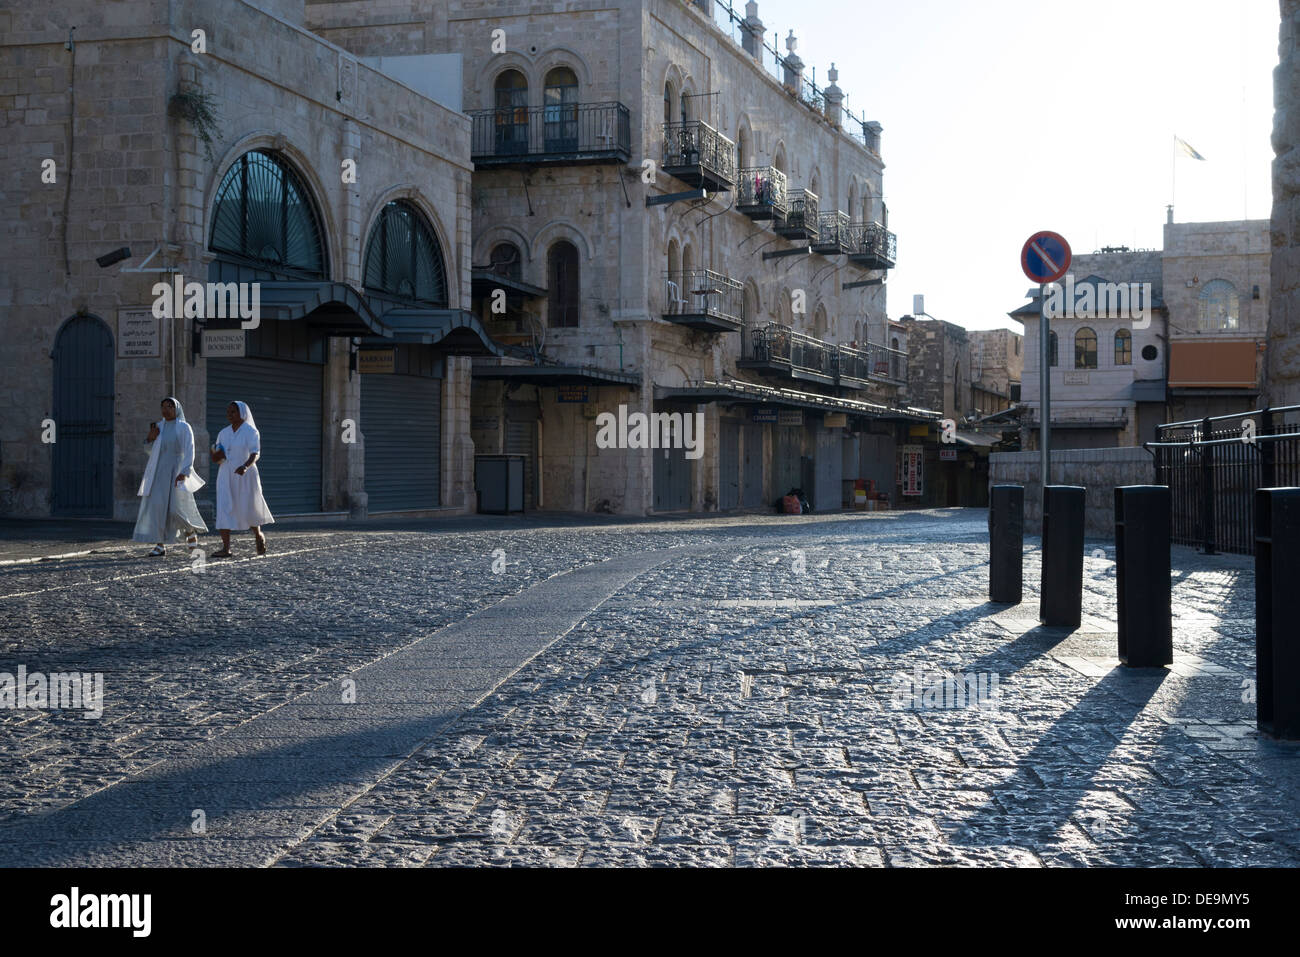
[(1061, 604), (1277, 612), (1006, 543), (1146, 629)]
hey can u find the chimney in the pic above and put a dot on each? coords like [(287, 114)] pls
[(793, 65), (752, 27), (834, 97)]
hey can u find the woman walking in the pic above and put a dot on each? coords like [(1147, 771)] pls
[(167, 489), (239, 488)]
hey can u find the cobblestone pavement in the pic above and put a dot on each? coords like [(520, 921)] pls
[(743, 691)]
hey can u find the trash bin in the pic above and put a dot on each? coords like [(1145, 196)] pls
[(499, 481), (1146, 631)]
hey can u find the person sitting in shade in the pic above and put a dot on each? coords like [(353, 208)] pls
[(167, 489), (239, 487)]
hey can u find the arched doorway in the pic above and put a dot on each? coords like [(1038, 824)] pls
[(83, 417)]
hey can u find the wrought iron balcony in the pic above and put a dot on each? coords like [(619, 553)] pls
[(557, 134), (704, 300), (761, 193), (853, 367), (779, 350), (872, 246), (832, 234), (699, 155), (801, 220)]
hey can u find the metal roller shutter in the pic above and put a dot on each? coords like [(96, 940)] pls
[(672, 474), (521, 431), (401, 419), (828, 470), (729, 475), (753, 453), (286, 401), (786, 455)]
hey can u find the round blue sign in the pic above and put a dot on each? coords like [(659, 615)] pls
[(1045, 257)]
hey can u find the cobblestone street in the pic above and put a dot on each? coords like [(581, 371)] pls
[(759, 690)]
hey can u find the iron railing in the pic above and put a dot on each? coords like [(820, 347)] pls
[(802, 218), (832, 233), (762, 192), (697, 145), (872, 244), (780, 344), (558, 132), (1213, 467), (703, 292)]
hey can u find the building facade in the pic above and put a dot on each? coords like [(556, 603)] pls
[(331, 198), (998, 361), (668, 218)]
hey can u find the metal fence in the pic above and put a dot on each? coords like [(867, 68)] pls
[(1213, 467), (570, 130)]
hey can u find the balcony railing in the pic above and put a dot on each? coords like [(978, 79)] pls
[(802, 218), (704, 300), (699, 155), (762, 193), (872, 246), (777, 348), (559, 133), (832, 234)]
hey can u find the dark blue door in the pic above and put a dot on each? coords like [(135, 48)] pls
[(83, 418)]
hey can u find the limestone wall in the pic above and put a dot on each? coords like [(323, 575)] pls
[(1100, 471)]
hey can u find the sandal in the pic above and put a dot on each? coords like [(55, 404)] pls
[(261, 545), (223, 553), (157, 551), (192, 541)]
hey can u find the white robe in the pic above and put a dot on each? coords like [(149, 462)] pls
[(239, 497)]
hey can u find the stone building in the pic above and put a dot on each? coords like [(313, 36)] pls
[(1216, 287), (939, 366), (998, 362), (223, 142), (668, 217), (1283, 336)]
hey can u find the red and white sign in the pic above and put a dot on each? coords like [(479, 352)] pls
[(913, 470), (1045, 257)]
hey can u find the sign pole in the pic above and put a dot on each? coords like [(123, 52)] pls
[(1045, 389)]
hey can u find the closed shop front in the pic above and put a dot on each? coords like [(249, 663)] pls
[(752, 496), (281, 379), (787, 449), (401, 419), (672, 474), (729, 465), (521, 439), (828, 461)]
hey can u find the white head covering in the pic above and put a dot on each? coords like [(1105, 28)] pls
[(180, 410), (245, 413)]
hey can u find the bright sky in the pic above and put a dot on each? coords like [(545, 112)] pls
[(1003, 117)]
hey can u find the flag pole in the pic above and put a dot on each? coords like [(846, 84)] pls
[(1173, 171)]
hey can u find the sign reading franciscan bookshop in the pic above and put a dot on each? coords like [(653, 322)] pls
[(376, 361), (573, 393), (223, 343), (138, 334)]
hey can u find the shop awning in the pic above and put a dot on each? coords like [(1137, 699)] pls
[(751, 393), (555, 375), (484, 281), (334, 308), (977, 440), (453, 331)]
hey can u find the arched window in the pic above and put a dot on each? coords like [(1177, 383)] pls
[(853, 199), (511, 113), (1053, 351), (673, 289), (505, 261), (1219, 306), (1123, 348), (956, 388), (561, 103), (1085, 349), (778, 158), (403, 257), (686, 103), (565, 293), (264, 214), (742, 149), (819, 323)]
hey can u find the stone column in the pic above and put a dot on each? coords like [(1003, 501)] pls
[(1283, 357), (834, 101), (793, 65), (753, 30)]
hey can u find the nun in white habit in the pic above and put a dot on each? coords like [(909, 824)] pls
[(167, 489), (239, 488)]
